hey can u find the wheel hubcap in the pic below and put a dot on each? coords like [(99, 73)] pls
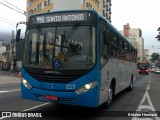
[(131, 84), (110, 95)]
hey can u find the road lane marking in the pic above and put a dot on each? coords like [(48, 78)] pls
[(7, 91), (3, 91), (142, 107), (32, 108)]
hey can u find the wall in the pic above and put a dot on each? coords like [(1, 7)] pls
[(67, 4)]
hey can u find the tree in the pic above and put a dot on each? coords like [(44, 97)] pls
[(158, 36), (155, 57)]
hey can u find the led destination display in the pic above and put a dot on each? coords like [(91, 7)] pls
[(61, 17)]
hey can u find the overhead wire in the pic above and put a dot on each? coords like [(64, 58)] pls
[(12, 8), (13, 5), (7, 20), (10, 22), (19, 11)]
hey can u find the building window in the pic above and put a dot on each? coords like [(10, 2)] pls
[(106, 6), (30, 12), (48, 2), (83, 2), (110, 11), (35, 10), (39, 7), (97, 3), (29, 4), (45, 3), (89, 6), (106, 15), (103, 13), (103, 3)]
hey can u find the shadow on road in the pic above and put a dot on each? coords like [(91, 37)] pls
[(58, 111)]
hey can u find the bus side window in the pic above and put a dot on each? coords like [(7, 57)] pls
[(114, 45), (107, 38), (121, 50), (103, 45)]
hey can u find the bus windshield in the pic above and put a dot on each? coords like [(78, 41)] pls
[(62, 48), (143, 66)]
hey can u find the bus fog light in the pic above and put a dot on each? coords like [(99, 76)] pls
[(26, 84), (86, 87)]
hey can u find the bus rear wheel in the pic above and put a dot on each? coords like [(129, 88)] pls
[(110, 96), (131, 85)]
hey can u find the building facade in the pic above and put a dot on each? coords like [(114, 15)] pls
[(3, 56), (40, 6), (146, 54), (134, 36)]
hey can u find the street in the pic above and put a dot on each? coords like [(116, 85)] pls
[(144, 97)]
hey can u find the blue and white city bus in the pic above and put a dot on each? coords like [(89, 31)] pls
[(76, 58)]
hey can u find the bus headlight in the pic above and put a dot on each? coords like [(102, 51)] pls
[(26, 84), (86, 87)]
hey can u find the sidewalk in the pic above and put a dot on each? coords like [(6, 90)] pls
[(7, 78), (7, 73)]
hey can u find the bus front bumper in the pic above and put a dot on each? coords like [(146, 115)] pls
[(86, 99)]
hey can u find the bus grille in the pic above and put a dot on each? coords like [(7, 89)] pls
[(55, 78)]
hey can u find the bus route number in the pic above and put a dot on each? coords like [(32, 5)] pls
[(70, 86)]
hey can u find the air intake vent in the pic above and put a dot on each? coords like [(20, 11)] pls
[(54, 78)]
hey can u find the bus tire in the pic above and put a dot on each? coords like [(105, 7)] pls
[(130, 88), (110, 95)]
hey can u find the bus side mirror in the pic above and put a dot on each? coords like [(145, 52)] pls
[(18, 35)]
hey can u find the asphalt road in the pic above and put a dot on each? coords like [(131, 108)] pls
[(144, 97)]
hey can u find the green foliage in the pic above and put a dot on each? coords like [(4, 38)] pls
[(155, 57)]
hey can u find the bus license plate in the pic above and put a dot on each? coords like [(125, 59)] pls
[(49, 97)]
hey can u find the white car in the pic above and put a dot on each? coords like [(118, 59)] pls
[(152, 70), (157, 71)]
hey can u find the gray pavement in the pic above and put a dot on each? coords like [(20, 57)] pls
[(6, 77)]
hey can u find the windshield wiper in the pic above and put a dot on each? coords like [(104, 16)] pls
[(73, 29), (65, 36)]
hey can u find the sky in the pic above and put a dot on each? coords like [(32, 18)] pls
[(9, 18), (143, 14)]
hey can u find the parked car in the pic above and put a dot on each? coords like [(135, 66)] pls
[(157, 71), (152, 70)]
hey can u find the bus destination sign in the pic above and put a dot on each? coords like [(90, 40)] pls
[(60, 17)]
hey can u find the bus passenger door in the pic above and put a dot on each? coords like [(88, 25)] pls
[(104, 66)]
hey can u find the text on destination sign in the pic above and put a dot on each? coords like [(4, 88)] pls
[(61, 18)]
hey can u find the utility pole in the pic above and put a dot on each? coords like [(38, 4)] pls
[(12, 46)]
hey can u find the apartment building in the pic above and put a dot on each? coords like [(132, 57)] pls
[(146, 54), (134, 36), (40, 6)]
